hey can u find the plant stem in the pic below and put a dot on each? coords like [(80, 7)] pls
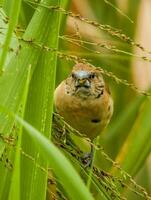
[(12, 23), (91, 168)]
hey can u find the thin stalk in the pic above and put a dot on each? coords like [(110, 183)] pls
[(91, 168), (12, 23)]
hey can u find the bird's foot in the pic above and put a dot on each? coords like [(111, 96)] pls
[(87, 159)]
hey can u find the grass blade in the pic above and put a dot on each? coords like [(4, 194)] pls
[(12, 23), (61, 166)]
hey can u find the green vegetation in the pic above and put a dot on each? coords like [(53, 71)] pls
[(39, 152)]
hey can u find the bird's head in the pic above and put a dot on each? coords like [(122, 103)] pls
[(85, 81)]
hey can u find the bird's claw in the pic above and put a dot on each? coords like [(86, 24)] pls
[(87, 159)]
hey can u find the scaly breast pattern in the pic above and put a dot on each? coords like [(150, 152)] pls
[(89, 117)]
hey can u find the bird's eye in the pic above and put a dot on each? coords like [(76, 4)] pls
[(92, 76)]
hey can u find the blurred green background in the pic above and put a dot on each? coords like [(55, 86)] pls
[(129, 132)]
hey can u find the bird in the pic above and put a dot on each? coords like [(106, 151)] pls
[(84, 101)]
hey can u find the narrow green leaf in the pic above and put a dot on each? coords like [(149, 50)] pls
[(14, 41), (14, 192), (61, 166), (39, 106), (12, 23), (13, 81)]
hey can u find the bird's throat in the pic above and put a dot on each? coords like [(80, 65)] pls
[(83, 92)]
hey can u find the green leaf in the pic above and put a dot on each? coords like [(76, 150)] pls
[(14, 191), (14, 41), (15, 8), (60, 165), (39, 105), (43, 29)]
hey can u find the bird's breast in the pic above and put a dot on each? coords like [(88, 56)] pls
[(88, 116)]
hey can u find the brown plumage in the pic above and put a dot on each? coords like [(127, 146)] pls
[(83, 100)]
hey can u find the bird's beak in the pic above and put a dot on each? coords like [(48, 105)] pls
[(82, 83), (82, 79)]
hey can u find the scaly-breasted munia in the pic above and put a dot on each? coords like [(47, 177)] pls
[(84, 101)]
